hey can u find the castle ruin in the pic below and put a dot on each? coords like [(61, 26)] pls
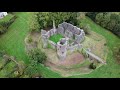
[(69, 32)]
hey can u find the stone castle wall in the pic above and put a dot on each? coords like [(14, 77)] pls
[(74, 47), (69, 32), (62, 49)]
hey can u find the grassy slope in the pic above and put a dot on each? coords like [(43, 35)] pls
[(112, 68), (13, 40), (13, 43)]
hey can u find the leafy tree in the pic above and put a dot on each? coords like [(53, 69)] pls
[(111, 25), (105, 20), (4, 25), (92, 15), (37, 56), (45, 19), (116, 29), (34, 25), (108, 20), (99, 18)]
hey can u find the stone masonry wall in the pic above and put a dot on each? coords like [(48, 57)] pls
[(74, 48), (62, 49), (68, 31)]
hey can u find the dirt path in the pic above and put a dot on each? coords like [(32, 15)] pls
[(72, 59)]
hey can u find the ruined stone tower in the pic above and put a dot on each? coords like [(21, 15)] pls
[(62, 49)]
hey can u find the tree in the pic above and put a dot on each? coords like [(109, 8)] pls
[(108, 20), (116, 29), (37, 56), (34, 25), (105, 20), (99, 18), (46, 18), (111, 25), (92, 15), (86, 28)]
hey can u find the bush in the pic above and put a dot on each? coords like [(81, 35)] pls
[(2, 29), (92, 66), (37, 56), (86, 29), (5, 24), (29, 40)]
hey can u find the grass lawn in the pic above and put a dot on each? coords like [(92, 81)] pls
[(56, 37), (13, 40), (47, 73), (111, 70), (13, 43)]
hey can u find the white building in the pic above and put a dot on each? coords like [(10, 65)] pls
[(2, 14)]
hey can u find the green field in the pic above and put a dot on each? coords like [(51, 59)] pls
[(13, 40), (56, 37), (112, 68), (13, 43)]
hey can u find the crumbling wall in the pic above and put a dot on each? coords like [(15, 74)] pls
[(69, 32), (62, 49), (74, 47), (53, 45), (94, 57)]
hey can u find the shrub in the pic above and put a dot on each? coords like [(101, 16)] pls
[(37, 56), (5, 24), (2, 29), (9, 22), (86, 29), (29, 40), (92, 66)]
